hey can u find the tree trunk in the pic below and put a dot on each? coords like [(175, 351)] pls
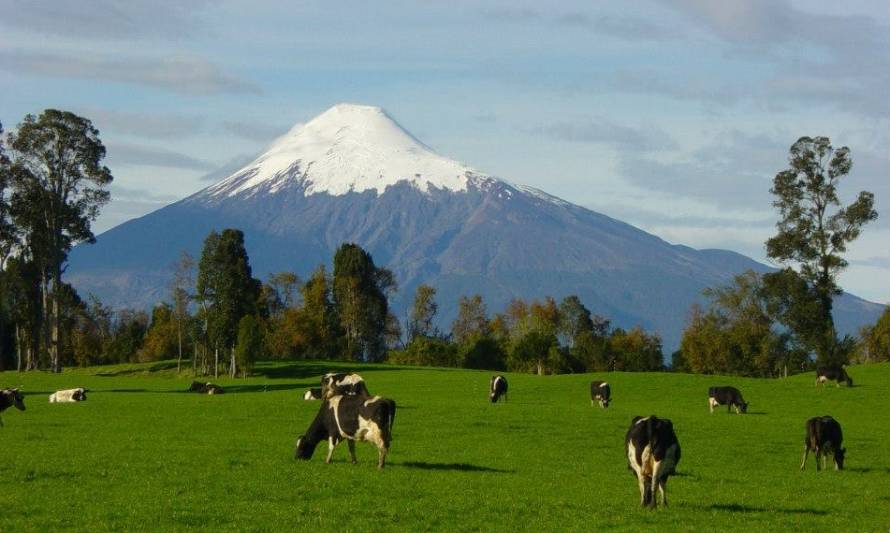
[(43, 339), (179, 337), (232, 370), (18, 347), (540, 368), (216, 362), (56, 323)]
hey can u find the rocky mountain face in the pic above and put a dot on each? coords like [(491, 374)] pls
[(353, 174)]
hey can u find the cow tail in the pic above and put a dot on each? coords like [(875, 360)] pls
[(392, 416)]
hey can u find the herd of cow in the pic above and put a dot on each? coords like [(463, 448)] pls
[(349, 412)]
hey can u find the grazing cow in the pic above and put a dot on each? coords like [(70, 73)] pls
[(728, 396), (653, 452), (824, 436), (497, 388), (69, 395), (350, 418), (343, 384), (205, 388), (312, 394), (9, 398), (833, 373), (601, 392)]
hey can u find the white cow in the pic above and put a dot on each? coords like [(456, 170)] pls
[(68, 395)]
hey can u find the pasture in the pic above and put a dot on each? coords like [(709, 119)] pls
[(143, 454)]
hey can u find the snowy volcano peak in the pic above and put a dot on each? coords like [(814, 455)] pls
[(348, 148)]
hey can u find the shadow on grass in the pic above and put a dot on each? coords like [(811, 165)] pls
[(740, 508), (157, 367), (868, 470), (457, 467), (315, 369), (235, 389)]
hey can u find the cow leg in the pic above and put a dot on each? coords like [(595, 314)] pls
[(602, 403), (351, 444), (806, 451), (817, 452), (331, 445), (381, 457), (644, 489), (662, 486), (653, 489)]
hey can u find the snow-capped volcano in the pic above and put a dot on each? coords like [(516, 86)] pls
[(348, 148), (352, 174)]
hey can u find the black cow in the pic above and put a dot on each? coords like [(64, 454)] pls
[(343, 384), (312, 394), (350, 418), (497, 388), (205, 388), (601, 392), (10, 398), (833, 373), (824, 436), (653, 452), (728, 396)]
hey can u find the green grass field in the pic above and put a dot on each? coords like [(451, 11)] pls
[(141, 454)]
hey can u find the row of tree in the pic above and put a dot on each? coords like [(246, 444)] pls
[(541, 336)]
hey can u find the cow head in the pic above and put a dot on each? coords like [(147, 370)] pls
[(848, 379), (605, 402), (18, 399), (743, 407), (305, 448), (80, 395), (839, 458)]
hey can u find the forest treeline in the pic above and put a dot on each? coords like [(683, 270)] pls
[(218, 317)]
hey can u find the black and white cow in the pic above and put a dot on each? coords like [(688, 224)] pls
[(205, 388), (11, 398), (653, 452), (824, 436), (312, 394), (69, 395), (833, 373), (497, 388), (343, 383), (350, 418), (728, 396), (600, 392)]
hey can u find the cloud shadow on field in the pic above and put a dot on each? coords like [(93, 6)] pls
[(458, 467), (741, 508)]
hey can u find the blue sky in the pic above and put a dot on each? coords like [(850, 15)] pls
[(672, 115)]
